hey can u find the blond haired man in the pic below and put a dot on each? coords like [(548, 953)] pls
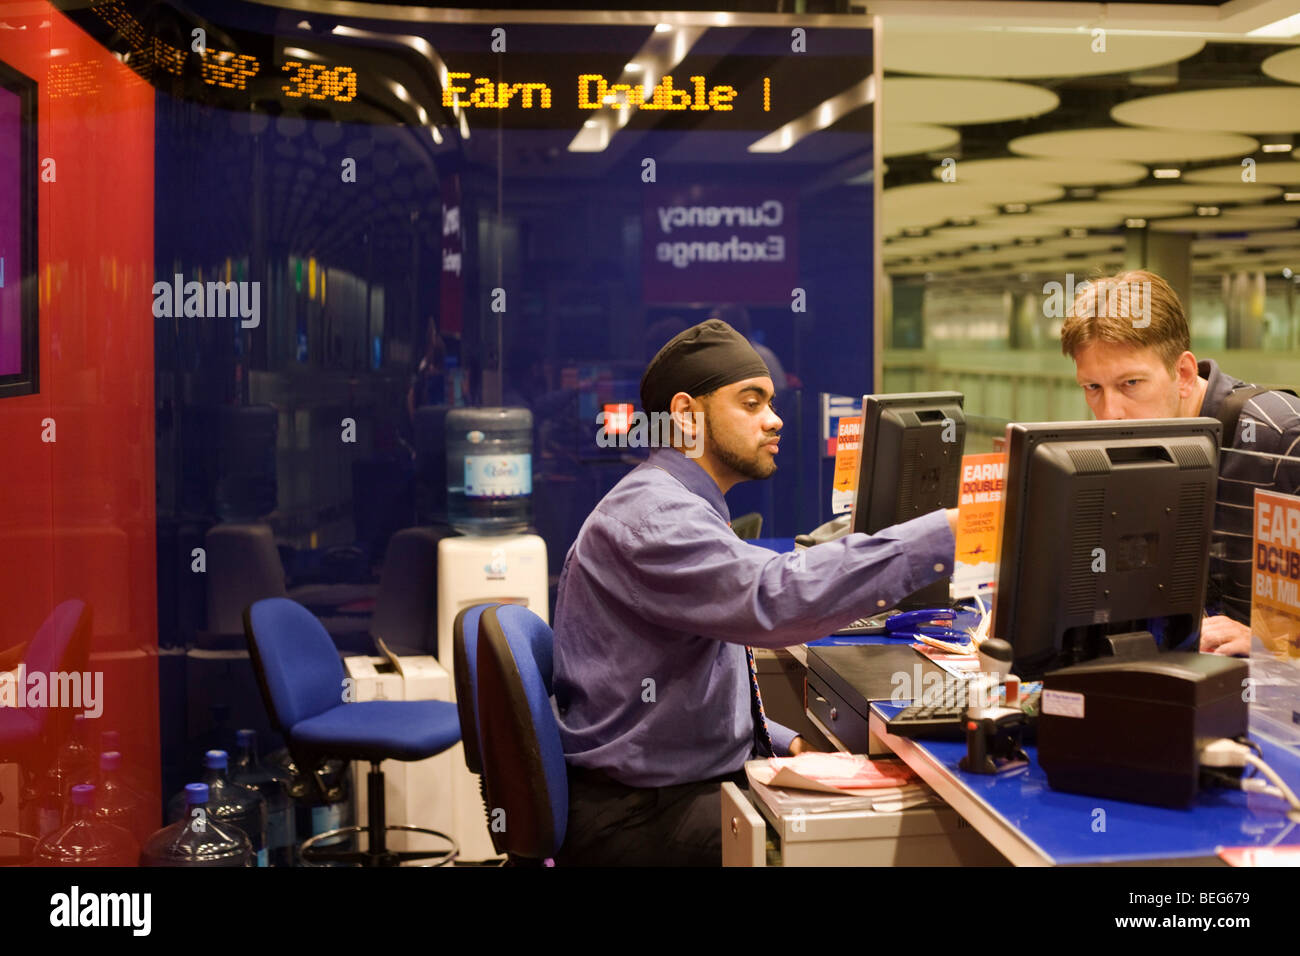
[(1128, 336)]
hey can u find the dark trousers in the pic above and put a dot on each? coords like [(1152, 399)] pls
[(612, 824)]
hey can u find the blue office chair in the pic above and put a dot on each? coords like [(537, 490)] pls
[(523, 758), (464, 652), (302, 682), (464, 648)]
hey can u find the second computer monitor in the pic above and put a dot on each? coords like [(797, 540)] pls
[(1105, 531), (910, 464)]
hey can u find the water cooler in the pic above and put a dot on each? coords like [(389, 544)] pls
[(494, 560)]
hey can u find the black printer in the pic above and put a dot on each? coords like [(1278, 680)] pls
[(1131, 728)]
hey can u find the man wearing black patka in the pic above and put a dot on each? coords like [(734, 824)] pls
[(660, 602)]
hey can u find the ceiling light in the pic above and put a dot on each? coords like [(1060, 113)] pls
[(1207, 210), (663, 27), (1286, 27), (1166, 173), (1286, 273), (1076, 233), (823, 115), (1275, 144), (632, 68), (1135, 223), (1291, 197), (1015, 207), (1166, 75)]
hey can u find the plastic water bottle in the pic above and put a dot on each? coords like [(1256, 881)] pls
[(114, 802), (127, 775), (230, 803), (249, 771), (86, 841), (489, 470), (72, 764), (198, 839)]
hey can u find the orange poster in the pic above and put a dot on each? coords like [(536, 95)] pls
[(978, 523), (1275, 603), (848, 446)]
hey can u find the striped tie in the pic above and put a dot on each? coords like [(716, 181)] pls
[(762, 739)]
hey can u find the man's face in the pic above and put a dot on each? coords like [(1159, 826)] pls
[(741, 429), (1125, 381)]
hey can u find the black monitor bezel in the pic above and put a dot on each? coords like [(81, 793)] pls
[(26, 381), (1022, 439), (873, 407)]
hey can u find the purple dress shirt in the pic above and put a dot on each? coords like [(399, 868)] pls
[(658, 598)]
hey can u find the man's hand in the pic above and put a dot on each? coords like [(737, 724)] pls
[(952, 520), (1223, 635), (800, 746)]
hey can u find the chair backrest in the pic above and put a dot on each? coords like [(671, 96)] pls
[(748, 526), (63, 641), (406, 608), (523, 758), (61, 645), (297, 665), (464, 652), (243, 566)]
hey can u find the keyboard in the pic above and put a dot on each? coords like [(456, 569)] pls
[(942, 720), (866, 625), (938, 715)]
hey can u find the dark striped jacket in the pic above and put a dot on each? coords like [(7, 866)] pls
[(1271, 462)]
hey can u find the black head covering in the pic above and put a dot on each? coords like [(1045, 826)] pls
[(704, 357)]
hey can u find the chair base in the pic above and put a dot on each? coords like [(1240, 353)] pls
[(313, 855)]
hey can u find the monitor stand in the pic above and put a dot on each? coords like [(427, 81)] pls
[(931, 596), (1131, 646)]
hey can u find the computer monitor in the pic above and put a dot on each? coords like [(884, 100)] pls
[(910, 465), (1105, 531)]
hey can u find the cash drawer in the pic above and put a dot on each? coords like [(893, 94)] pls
[(849, 726)]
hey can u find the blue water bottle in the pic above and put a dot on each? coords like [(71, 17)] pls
[(86, 841), (489, 470), (114, 801), (197, 839), (231, 804)]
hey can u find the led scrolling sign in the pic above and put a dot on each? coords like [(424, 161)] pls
[(222, 69), (595, 92)]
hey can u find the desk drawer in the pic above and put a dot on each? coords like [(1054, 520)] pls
[(837, 716)]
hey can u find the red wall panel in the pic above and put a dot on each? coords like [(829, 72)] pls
[(77, 513)]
